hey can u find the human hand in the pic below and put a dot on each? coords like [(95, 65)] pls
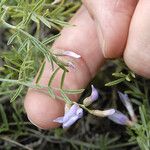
[(105, 34)]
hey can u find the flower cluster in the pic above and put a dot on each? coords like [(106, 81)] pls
[(75, 112), (70, 116)]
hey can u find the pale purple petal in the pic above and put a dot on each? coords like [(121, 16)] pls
[(58, 120), (94, 94), (123, 97), (71, 112), (119, 118), (127, 103), (79, 112), (70, 122), (71, 54)]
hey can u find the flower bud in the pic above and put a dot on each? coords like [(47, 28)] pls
[(119, 118), (127, 103), (93, 97), (104, 113), (87, 101)]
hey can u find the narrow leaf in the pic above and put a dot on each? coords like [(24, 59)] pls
[(66, 99), (40, 72), (43, 49), (60, 63), (39, 3), (12, 38), (119, 74), (61, 23), (23, 45), (62, 79), (52, 94), (44, 21), (52, 77), (38, 45), (17, 121), (18, 91), (73, 91), (115, 82), (4, 117), (50, 39)]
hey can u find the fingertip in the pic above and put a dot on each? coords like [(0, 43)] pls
[(136, 54), (138, 62), (42, 110), (112, 19)]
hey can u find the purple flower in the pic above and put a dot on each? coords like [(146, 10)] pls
[(127, 103), (119, 118), (71, 116), (94, 94), (71, 54), (93, 97)]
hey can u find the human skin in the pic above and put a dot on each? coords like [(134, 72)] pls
[(103, 29)]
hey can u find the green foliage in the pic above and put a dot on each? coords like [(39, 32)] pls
[(121, 77), (27, 31), (26, 48), (141, 131)]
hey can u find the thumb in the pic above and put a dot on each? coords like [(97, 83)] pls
[(112, 18), (42, 109)]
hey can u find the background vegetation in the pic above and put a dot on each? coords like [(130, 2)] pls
[(27, 30)]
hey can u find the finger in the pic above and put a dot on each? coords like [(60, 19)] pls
[(112, 18), (137, 53), (82, 39)]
